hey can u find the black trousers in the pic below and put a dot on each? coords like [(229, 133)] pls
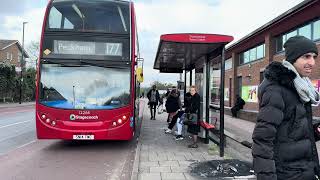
[(234, 110), (153, 107)]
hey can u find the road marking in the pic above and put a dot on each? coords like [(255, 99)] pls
[(16, 135), (19, 147), (26, 144), (11, 112), (14, 124)]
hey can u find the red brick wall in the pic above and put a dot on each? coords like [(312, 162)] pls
[(15, 51), (229, 74), (251, 77)]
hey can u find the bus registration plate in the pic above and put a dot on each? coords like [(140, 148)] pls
[(83, 137)]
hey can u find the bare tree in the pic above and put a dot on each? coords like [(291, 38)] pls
[(33, 49)]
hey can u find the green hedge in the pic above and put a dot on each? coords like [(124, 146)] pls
[(9, 84)]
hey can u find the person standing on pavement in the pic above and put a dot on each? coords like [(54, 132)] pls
[(283, 139), (192, 105), (154, 98)]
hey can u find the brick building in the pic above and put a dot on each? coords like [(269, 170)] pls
[(11, 53), (247, 58)]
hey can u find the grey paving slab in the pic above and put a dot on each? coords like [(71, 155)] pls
[(180, 169), (173, 176), (162, 157), (149, 176), (168, 163), (160, 169)]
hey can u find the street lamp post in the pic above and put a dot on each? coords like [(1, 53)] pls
[(21, 62)]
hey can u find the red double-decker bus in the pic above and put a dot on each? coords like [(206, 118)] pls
[(86, 83)]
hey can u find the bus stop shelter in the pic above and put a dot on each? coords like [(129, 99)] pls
[(195, 55)]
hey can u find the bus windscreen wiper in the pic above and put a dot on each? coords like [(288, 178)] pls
[(62, 63), (109, 64)]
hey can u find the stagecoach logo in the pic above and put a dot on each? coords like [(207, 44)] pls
[(79, 117), (72, 117)]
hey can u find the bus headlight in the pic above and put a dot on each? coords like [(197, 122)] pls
[(119, 121), (53, 123), (47, 120)]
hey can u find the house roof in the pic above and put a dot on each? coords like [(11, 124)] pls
[(4, 43)]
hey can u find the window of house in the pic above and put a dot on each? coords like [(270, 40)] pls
[(291, 34), (316, 30), (279, 44), (252, 54), (19, 57), (305, 31), (241, 58), (228, 64), (8, 56), (246, 57), (261, 76), (260, 51), (311, 31)]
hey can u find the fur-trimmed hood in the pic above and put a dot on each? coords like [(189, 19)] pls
[(276, 72)]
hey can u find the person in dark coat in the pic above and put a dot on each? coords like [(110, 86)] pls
[(154, 97), (238, 105), (283, 139), (192, 106), (173, 104)]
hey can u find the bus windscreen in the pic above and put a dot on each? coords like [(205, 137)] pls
[(84, 86), (89, 16)]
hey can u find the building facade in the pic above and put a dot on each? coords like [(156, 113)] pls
[(11, 53), (245, 60)]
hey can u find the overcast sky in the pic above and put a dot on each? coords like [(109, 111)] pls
[(155, 17)]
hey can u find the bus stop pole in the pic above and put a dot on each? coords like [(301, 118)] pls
[(191, 78), (207, 96), (222, 140), (185, 81)]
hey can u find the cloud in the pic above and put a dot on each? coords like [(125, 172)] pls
[(230, 17), (17, 7), (154, 17), (13, 26)]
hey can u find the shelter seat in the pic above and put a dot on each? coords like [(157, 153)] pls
[(207, 126)]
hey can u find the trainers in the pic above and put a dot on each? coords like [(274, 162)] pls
[(167, 131), (179, 137), (151, 118)]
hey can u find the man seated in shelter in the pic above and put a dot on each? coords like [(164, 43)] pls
[(238, 105)]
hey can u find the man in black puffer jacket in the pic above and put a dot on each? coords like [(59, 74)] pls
[(283, 139)]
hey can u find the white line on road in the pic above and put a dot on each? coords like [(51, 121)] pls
[(16, 135), (26, 144), (14, 124), (11, 112)]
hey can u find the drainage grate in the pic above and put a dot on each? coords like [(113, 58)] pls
[(221, 168)]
